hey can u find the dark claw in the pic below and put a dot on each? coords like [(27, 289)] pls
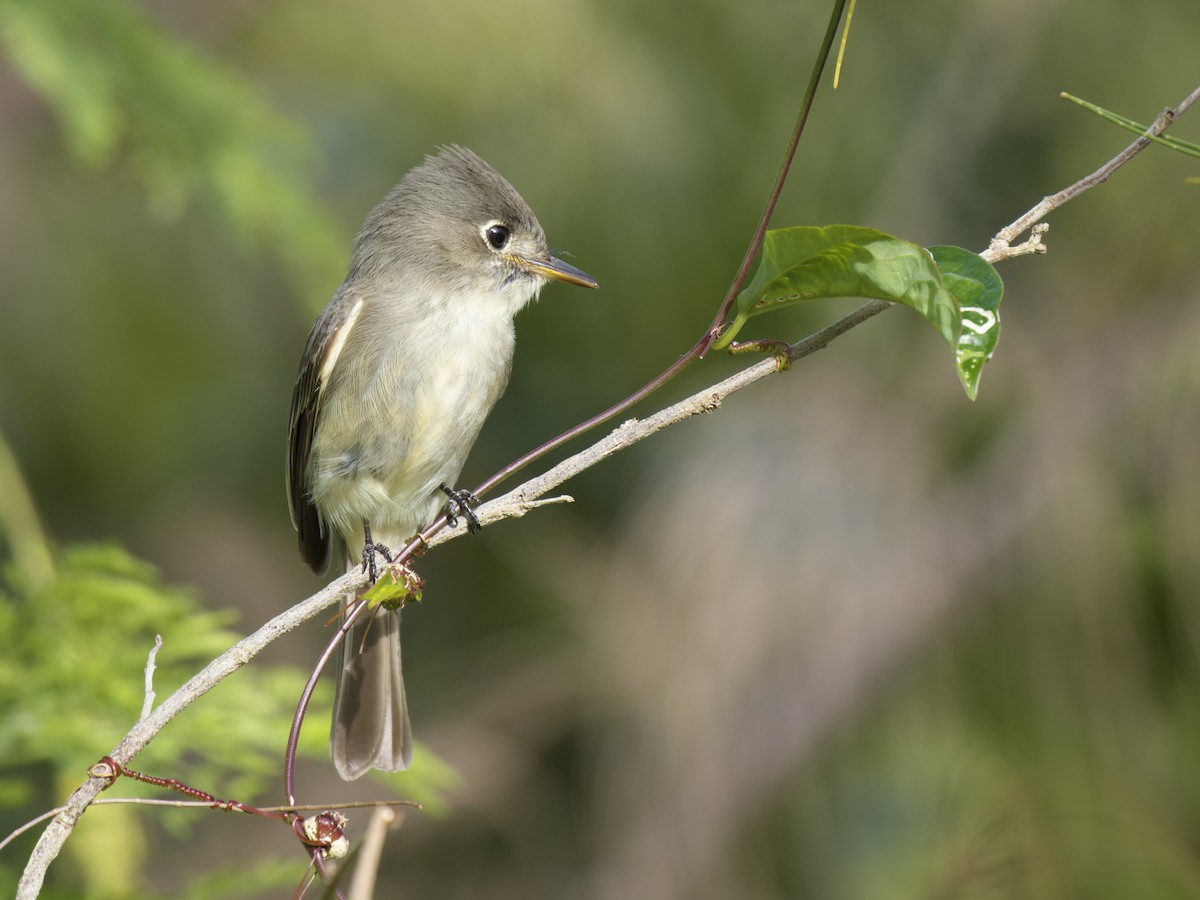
[(459, 503), (370, 548)]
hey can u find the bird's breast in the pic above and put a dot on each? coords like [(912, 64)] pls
[(402, 409)]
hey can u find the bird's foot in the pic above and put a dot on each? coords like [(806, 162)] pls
[(370, 548), (459, 503)]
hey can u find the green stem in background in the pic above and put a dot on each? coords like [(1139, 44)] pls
[(20, 527), (837, 69), (1185, 147)]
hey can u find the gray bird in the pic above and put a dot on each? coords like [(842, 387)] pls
[(399, 373)]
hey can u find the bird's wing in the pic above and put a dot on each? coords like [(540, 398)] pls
[(325, 343)]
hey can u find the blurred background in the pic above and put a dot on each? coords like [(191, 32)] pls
[(852, 636)]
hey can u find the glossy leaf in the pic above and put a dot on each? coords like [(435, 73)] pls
[(809, 263), (978, 289)]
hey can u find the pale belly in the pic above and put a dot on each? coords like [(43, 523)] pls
[(414, 416)]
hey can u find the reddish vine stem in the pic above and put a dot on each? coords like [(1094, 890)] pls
[(289, 763), (110, 769), (328, 830), (321, 833), (702, 345), (696, 352)]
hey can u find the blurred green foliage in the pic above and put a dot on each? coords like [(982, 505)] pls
[(191, 128), (179, 184), (78, 631)]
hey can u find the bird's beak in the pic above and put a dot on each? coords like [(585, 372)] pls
[(556, 270)]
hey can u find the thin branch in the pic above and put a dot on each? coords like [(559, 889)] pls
[(999, 248), (517, 501), (366, 870), (53, 838), (624, 435), (293, 742), (148, 701), (630, 432), (200, 804)]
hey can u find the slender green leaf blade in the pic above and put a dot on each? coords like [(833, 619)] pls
[(808, 263), (1167, 140), (978, 288)]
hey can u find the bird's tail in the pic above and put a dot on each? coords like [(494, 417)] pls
[(370, 716)]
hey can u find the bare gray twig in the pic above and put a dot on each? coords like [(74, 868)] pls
[(148, 701), (999, 248)]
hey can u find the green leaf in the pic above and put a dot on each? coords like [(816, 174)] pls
[(391, 590), (810, 263), (978, 288)]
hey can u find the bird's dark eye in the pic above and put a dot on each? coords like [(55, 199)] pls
[(497, 235)]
